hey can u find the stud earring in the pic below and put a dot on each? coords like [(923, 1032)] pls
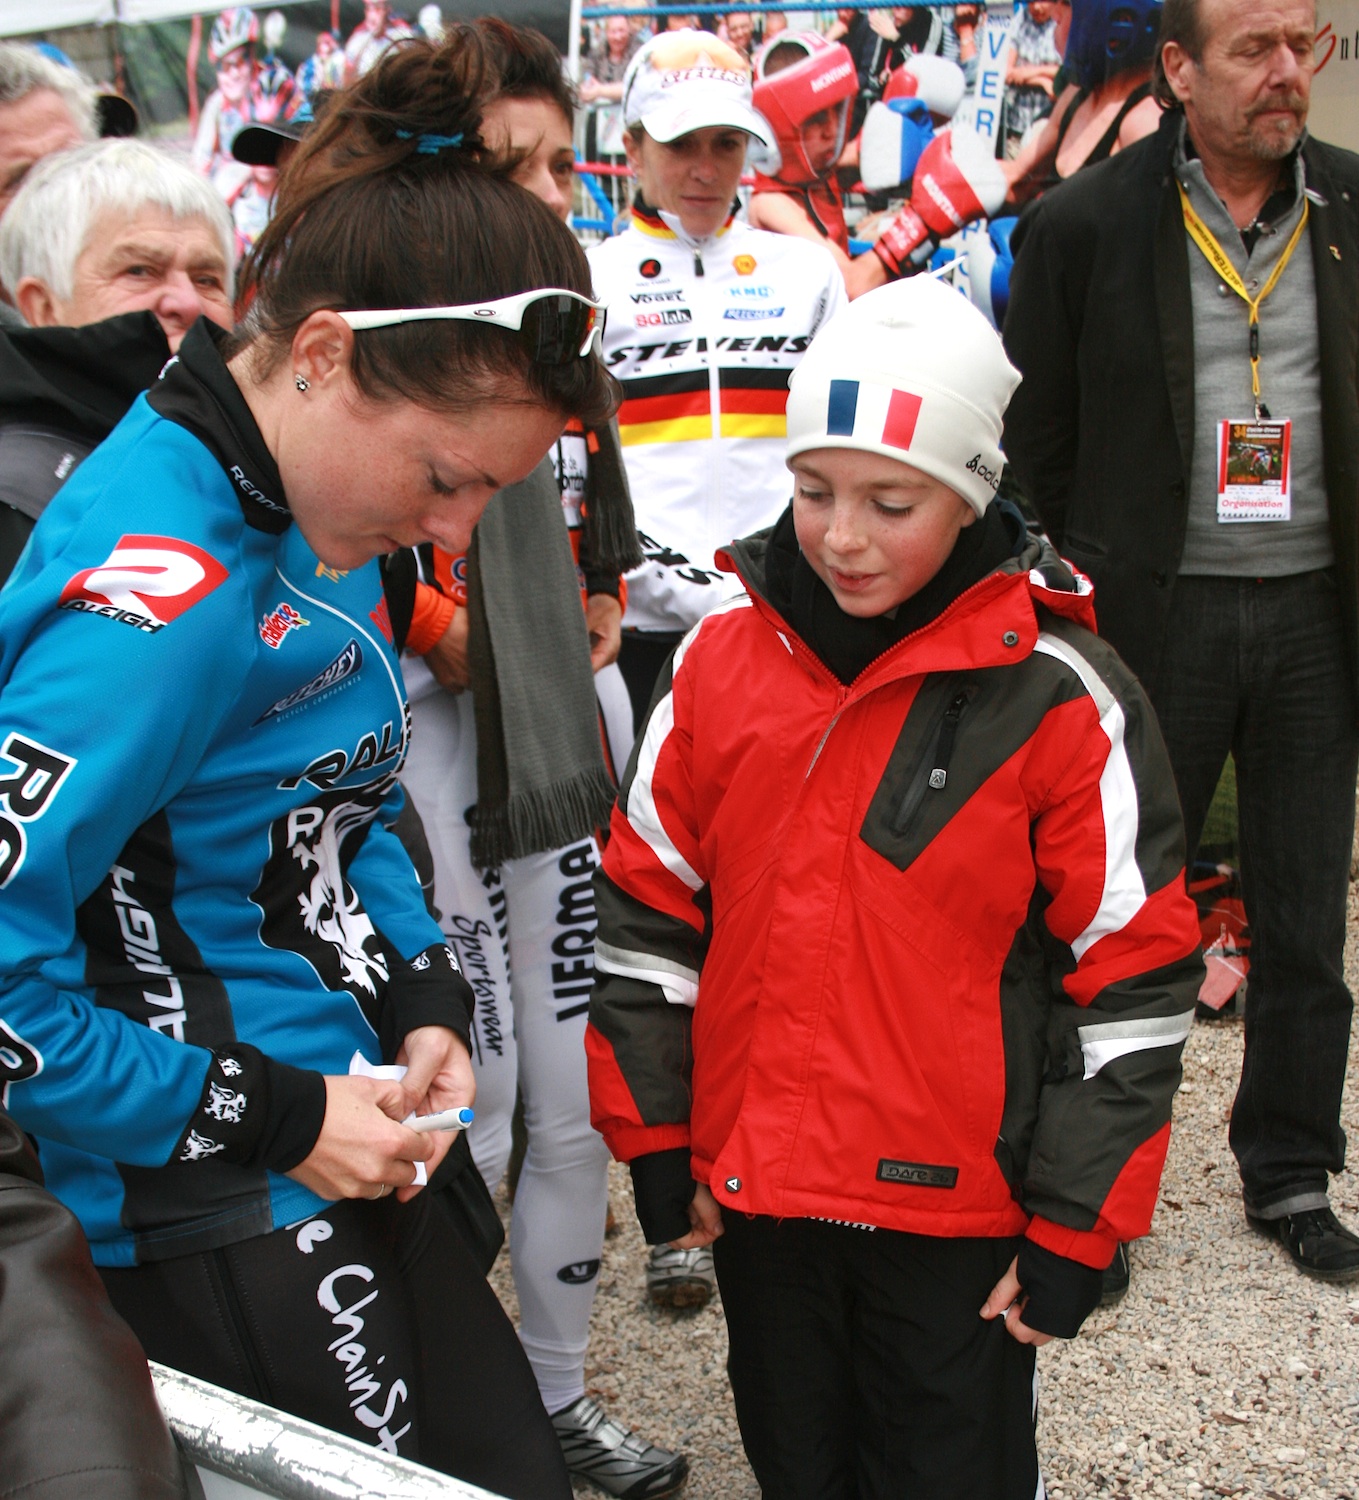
[(301, 382)]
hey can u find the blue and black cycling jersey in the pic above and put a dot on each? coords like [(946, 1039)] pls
[(202, 906)]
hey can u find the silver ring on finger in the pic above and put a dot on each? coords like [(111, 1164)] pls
[(383, 1189)]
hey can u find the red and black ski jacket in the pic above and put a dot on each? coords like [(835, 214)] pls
[(816, 967)]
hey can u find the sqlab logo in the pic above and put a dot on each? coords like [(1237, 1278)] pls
[(145, 582)]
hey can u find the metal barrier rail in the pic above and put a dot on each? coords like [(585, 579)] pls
[(257, 1450)]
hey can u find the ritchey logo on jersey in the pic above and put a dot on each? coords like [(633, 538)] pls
[(752, 314), (278, 622), (343, 667), (145, 582), (872, 413), (744, 265)]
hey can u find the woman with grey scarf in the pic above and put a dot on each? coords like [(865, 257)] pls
[(510, 682)]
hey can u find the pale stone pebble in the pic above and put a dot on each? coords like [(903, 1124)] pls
[(1223, 1373)]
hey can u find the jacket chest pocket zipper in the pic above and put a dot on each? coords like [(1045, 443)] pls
[(931, 773)]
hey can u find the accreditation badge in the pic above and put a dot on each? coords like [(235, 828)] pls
[(1254, 470)]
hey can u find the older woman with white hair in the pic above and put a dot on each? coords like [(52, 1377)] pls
[(114, 227), (111, 251)]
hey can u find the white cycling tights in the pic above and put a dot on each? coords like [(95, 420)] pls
[(525, 938)]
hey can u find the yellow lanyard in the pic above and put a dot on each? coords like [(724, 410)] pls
[(1216, 257)]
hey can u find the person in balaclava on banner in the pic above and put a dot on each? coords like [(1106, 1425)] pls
[(1107, 102)]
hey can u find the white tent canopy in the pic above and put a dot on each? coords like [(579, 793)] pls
[(22, 17), (19, 17)]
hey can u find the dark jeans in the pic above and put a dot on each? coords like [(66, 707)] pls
[(1257, 667), (861, 1369)]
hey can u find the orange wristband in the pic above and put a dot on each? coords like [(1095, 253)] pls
[(432, 615)]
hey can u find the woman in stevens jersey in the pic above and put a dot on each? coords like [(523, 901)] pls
[(707, 318), (210, 939)]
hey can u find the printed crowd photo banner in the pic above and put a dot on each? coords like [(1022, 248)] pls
[(167, 56)]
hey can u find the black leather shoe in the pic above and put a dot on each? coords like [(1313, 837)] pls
[(1319, 1243), (1117, 1278)]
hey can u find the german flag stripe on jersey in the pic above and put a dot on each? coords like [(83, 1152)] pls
[(677, 408), (666, 408), (647, 221), (754, 403)]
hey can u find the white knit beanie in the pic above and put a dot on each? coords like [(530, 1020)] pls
[(912, 371)]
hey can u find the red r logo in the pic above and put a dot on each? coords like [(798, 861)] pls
[(159, 576)]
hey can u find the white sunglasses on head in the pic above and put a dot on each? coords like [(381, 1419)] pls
[(554, 324)]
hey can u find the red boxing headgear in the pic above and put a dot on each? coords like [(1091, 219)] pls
[(824, 79)]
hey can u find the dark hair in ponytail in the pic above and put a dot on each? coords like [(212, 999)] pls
[(379, 209)]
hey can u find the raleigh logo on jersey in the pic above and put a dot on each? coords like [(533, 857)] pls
[(345, 665), (872, 413), (145, 582), (18, 1061), (25, 794), (278, 622)]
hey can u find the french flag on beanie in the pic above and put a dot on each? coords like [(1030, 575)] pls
[(911, 371), (877, 414)]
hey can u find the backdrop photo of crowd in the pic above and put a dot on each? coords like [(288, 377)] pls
[(1097, 227)]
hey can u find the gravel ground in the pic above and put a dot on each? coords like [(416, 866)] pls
[(1223, 1372)]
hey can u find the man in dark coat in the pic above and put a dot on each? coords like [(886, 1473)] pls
[(1186, 318), (78, 1413)]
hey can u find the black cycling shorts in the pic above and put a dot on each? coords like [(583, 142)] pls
[(370, 1319)]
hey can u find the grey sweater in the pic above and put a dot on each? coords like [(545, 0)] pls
[(1290, 372)]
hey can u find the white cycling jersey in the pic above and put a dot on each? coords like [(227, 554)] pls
[(703, 335)]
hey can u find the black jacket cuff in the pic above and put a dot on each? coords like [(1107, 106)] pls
[(1062, 1293), (254, 1112), (427, 990), (602, 583), (663, 1186)]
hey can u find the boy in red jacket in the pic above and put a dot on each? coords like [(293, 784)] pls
[(895, 961)]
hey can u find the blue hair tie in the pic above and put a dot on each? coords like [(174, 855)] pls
[(431, 145)]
